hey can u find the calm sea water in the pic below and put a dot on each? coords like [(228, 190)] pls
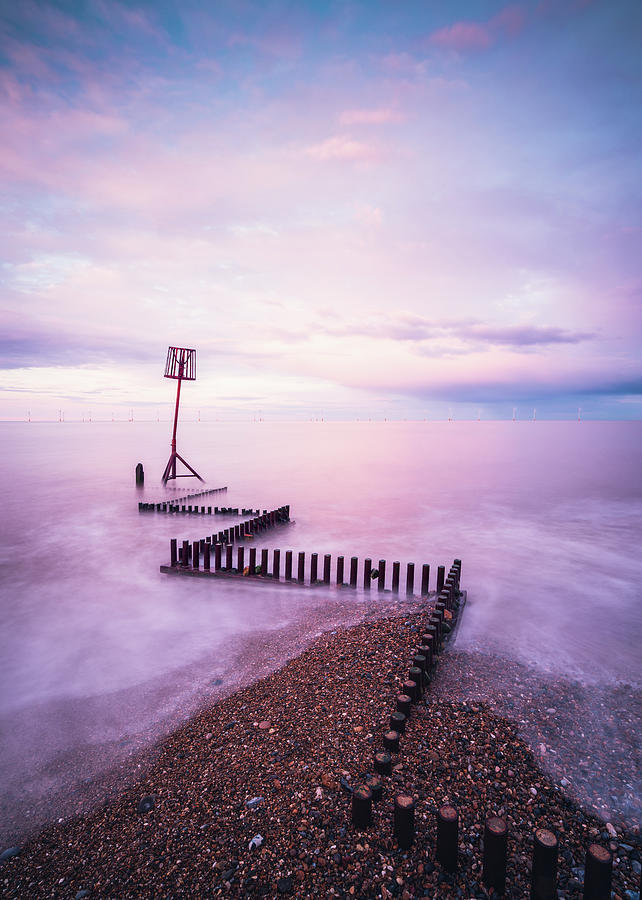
[(97, 646)]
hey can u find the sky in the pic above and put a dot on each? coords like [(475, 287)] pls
[(373, 208)]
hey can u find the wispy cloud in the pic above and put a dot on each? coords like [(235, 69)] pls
[(469, 35), (341, 147), (381, 116)]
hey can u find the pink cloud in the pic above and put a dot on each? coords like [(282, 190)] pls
[(467, 35), (340, 147), (369, 116), (463, 36)]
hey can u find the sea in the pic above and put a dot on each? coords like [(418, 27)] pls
[(102, 654)]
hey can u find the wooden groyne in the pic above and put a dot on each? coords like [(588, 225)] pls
[(188, 509), (214, 556)]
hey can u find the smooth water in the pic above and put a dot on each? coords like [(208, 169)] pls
[(98, 646)]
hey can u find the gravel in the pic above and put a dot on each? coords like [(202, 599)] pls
[(326, 713)]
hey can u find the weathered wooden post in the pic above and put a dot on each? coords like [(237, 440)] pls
[(425, 579), (398, 722), (598, 867), (391, 741), (206, 557), (140, 475), (340, 562), (415, 674), (404, 821), (228, 557), (381, 577), (301, 572), (367, 573), (240, 559), (544, 871), (447, 837), (354, 562), (264, 561), (410, 578), (252, 563), (314, 563), (288, 565), (185, 554), (362, 806), (217, 556), (495, 846), (441, 572), (395, 577), (404, 704), (383, 762), (276, 565), (173, 552), (327, 560)]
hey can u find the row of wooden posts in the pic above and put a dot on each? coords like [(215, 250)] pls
[(598, 863), (173, 507), (191, 552), (221, 562)]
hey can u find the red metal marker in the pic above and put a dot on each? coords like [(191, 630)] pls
[(181, 366)]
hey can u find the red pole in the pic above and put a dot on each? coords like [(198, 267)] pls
[(178, 397)]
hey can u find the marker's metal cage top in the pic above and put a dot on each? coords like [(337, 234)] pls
[(181, 363)]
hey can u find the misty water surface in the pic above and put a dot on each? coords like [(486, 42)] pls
[(98, 646)]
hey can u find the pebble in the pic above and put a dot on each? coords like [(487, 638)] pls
[(9, 853), (254, 802), (146, 804)]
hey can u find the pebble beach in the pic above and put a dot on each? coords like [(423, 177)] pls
[(252, 796)]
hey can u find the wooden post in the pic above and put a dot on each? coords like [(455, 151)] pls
[(415, 674), (362, 806), (425, 579), (217, 557), (240, 559), (381, 578), (411, 688), (495, 846), (288, 565), (327, 560), (140, 475), (206, 557), (276, 565), (447, 837), (441, 571), (264, 561), (354, 562), (314, 563), (391, 741), (404, 704), (383, 762), (404, 821), (395, 577), (228, 557), (597, 873), (410, 578), (544, 871), (367, 570), (301, 572), (185, 559), (374, 783), (398, 722), (425, 650), (173, 552), (340, 570), (252, 563)]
